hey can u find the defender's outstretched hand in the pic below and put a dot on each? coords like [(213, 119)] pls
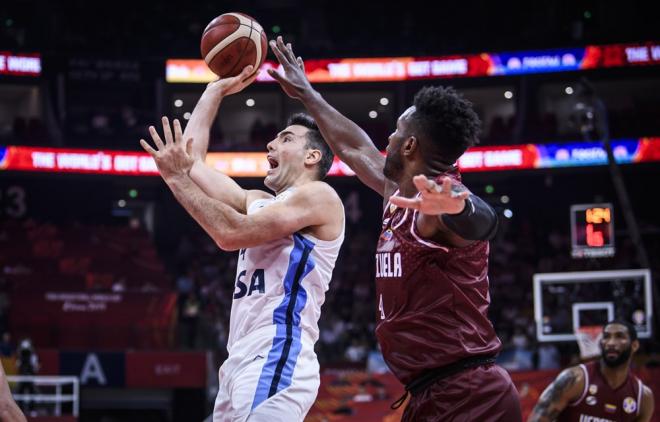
[(294, 81), (234, 84), (174, 156), (435, 199)]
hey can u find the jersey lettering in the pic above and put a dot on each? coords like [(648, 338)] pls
[(241, 286), (587, 418), (388, 264), (380, 307), (257, 282)]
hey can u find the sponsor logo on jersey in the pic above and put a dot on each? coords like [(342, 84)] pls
[(388, 264), (610, 408), (591, 400), (589, 418), (629, 405), (593, 389), (386, 221)]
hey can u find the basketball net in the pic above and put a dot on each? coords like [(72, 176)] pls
[(588, 339)]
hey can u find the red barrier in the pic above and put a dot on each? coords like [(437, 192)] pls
[(165, 369), (94, 321), (360, 397)]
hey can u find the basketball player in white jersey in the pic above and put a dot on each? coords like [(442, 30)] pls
[(288, 246), (9, 410)]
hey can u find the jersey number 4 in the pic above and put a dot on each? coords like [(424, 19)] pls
[(380, 307)]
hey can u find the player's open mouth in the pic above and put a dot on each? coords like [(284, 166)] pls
[(272, 162)]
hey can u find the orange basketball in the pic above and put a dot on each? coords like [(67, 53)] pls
[(232, 41)]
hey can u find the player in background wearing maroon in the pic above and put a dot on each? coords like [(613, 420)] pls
[(601, 391), (432, 255)]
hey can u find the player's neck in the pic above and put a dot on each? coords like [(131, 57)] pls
[(406, 186), (303, 179), (616, 376)]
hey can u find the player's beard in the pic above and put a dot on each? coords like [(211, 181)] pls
[(393, 165), (621, 359)]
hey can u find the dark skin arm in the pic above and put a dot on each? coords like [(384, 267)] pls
[(648, 404), (346, 139), (566, 388)]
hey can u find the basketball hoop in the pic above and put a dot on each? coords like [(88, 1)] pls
[(588, 339)]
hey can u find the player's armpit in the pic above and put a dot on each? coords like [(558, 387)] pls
[(647, 406), (314, 206), (219, 186), (566, 388)]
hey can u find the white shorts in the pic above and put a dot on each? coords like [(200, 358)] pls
[(271, 375)]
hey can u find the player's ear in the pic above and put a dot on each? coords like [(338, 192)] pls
[(312, 156), (635, 346), (410, 145)]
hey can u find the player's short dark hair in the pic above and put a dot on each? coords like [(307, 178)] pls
[(447, 120), (632, 331), (314, 140)]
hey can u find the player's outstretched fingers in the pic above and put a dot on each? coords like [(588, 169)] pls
[(167, 131), (156, 138), (423, 184), (178, 135), (148, 148), (289, 53), (446, 185), (402, 202), (278, 53)]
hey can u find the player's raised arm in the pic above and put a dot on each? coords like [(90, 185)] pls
[(310, 205), (346, 139), (214, 183), (566, 388)]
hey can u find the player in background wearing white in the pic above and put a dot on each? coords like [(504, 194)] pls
[(288, 247)]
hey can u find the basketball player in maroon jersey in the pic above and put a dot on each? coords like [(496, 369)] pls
[(601, 391), (432, 255)]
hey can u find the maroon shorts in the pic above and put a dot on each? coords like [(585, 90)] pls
[(485, 394)]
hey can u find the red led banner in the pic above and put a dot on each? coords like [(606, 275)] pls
[(19, 64), (468, 65), (254, 164)]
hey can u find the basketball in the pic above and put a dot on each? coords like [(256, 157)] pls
[(232, 41)]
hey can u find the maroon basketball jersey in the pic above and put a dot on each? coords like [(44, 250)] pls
[(601, 403), (432, 299)]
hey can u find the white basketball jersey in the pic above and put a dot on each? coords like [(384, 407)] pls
[(282, 282)]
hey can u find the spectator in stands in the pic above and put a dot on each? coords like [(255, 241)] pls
[(548, 355), (7, 348), (190, 320), (28, 365), (375, 361)]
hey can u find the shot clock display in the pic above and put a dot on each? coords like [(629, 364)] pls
[(592, 230)]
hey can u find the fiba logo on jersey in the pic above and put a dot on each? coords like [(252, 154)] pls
[(629, 405)]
